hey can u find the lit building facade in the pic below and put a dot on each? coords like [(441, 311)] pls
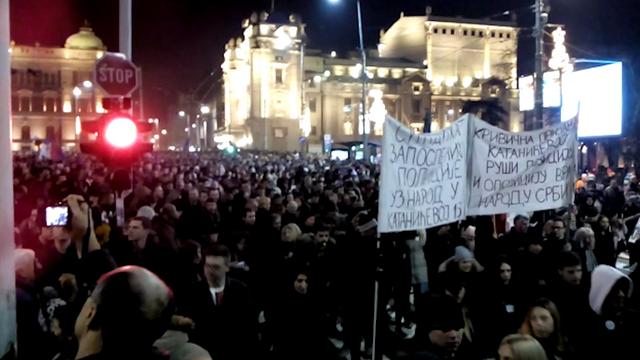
[(282, 97), (466, 60), (52, 90), (333, 97)]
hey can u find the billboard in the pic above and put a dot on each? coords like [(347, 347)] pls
[(595, 96), (551, 91)]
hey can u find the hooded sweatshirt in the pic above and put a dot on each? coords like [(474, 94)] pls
[(602, 280)]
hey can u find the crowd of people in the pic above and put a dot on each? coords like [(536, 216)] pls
[(277, 256)]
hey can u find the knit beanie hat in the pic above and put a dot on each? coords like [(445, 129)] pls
[(462, 254)]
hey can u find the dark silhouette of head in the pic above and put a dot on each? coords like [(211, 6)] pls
[(129, 309)]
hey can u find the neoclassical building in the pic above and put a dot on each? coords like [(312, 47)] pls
[(466, 59), (52, 90), (278, 94)]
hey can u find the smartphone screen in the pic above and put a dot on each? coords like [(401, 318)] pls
[(57, 215)]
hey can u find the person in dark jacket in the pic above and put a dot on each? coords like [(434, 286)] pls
[(297, 322), (502, 306), (143, 250), (570, 294), (615, 327), (605, 249), (225, 322)]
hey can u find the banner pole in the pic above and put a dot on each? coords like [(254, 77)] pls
[(375, 302)]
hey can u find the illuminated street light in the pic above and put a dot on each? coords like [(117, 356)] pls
[(87, 84), (76, 91), (205, 109), (181, 113), (163, 132), (193, 125)]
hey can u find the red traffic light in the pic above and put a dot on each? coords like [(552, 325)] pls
[(119, 141), (121, 132)]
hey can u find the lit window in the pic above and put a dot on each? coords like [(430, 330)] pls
[(347, 104), (348, 128)]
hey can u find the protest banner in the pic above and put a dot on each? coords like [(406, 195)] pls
[(423, 180), (521, 172)]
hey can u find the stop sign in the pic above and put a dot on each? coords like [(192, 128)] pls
[(115, 75)]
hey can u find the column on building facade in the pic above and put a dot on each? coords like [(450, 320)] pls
[(486, 66), (429, 52)]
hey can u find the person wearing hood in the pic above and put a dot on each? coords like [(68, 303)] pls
[(615, 328)]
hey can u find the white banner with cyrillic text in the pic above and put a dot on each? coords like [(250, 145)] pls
[(423, 176), (521, 172)]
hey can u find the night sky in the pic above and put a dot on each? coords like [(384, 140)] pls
[(179, 43)]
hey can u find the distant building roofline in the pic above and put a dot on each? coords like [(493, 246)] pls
[(461, 20), (458, 20)]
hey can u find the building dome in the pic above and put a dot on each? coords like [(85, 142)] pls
[(84, 39)]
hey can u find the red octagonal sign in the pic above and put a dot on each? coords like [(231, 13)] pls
[(115, 75)]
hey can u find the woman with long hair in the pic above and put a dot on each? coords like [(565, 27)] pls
[(605, 249), (584, 243), (542, 321)]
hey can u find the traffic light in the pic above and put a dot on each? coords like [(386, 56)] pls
[(119, 138)]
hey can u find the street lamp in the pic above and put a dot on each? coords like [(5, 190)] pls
[(87, 84), (77, 92), (363, 77), (541, 19), (187, 117), (204, 109)]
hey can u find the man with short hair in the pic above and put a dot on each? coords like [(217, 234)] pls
[(570, 294), (129, 309), (516, 238), (225, 322), (248, 217), (144, 251)]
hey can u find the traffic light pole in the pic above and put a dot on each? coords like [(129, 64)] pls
[(125, 28), (7, 244)]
